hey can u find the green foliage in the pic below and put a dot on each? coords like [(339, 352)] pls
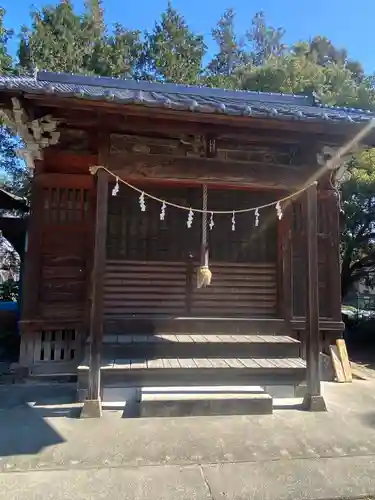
[(172, 52), (266, 41), (59, 40), (116, 54), (6, 63), (358, 235), (296, 72), (14, 176), (231, 49)]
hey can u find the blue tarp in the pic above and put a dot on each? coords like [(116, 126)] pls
[(8, 306)]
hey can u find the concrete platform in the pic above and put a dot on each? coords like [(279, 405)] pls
[(204, 401), (47, 452)]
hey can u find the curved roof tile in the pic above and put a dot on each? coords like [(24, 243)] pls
[(184, 97)]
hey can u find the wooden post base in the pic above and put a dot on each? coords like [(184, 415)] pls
[(314, 403), (92, 408)]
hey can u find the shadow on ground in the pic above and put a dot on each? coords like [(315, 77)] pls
[(369, 419), (24, 422)]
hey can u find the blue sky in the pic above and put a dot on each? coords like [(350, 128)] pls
[(348, 23)]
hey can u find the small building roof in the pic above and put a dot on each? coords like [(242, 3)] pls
[(9, 201), (183, 97)]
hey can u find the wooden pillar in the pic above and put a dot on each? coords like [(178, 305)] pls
[(31, 278), (285, 265), (92, 406), (334, 254), (313, 400), (31, 274)]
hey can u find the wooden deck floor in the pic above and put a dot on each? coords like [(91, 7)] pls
[(201, 363), (188, 338)]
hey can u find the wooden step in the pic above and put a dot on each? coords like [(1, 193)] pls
[(197, 371), (164, 324), (198, 401), (199, 346)]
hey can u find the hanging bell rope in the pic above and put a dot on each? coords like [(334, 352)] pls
[(204, 274)]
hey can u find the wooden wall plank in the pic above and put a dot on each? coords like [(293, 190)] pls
[(158, 287)]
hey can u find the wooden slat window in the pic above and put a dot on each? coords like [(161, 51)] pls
[(133, 234), (63, 206), (136, 235)]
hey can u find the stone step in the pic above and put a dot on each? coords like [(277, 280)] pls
[(201, 401), (199, 346), (197, 371)]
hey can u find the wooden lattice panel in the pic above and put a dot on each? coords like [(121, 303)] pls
[(136, 235), (62, 205), (45, 346)]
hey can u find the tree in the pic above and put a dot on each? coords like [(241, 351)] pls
[(231, 53), (11, 168), (296, 72), (57, 41), (266, 41), (61, 40), (15, 175), (323, 52), (6, 63), (358, 235), (117, 54), (172, 52)]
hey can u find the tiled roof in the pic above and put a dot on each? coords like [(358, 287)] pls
[(183, 97), (9, 201)]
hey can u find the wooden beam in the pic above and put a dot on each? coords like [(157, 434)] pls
[(62, 180), (116, 122), (93, 406), (208, 170), (313, 400), (249, 133)]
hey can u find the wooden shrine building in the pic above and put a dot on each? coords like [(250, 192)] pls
[(110, 286)]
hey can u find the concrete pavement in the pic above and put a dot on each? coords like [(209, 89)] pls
[(323, 479), (45, 452)]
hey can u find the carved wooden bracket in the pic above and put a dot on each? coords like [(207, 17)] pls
[(36, 134), (336, 162)]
